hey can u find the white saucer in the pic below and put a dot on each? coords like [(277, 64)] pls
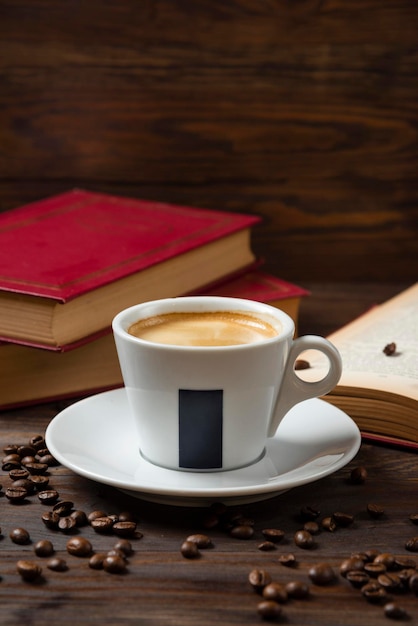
[(97, 438)]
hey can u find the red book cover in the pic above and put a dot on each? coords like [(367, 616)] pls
[(67, 245), (258, 286)]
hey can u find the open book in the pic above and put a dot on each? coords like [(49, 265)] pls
[(378, 388)]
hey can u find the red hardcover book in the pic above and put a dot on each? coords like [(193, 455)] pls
[(69, 263)]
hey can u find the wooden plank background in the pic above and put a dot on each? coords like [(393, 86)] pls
[(304, 112)]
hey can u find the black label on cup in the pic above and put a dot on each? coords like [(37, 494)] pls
[(200, 429)]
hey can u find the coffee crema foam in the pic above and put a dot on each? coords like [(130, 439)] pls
[(211, 328)]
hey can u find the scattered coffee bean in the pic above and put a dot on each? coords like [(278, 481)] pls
[(312, 527), (26, 450), (202, 541), (91, 516), (322, 574), (35, 468), (297, 589), (413, 583), (50, 519), (44, 547), (343, 519), (269, 610), (126, 529), (375, 510), (414, 518), (20, 536), (63, 507), (394, 611), (242, 532), (11, 462), (16, 494), (328, 523), (358, 475), (275, 591), (390, 349), (26, 484), (309, 513), (48, 459), (114, 564), (101, 524), (28, 570), (124, 545), (96, 561), (374, 593), (18, 474), (289, 559), (48, 496), (37, 442), (79, 517), (57, 564), (39, 482), (273, 534), (412, 544), (404, 562), (357, 578), (389, 581), (189, 550), (79, 546), (387, 559), (66, 524), (350, 565), (266, 546), (303, 539), (302, 364), (374, 569), (258, 579)]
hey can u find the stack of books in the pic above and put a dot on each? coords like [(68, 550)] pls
[(69, 263)]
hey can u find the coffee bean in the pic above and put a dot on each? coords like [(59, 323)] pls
[(26, 484), (35, 468), (357, 578), (269, 610), (43, 547), (124, 545), (312, 527), (288, 559), (389, 581), (11, 462), (302, 364), (322, 574), (66, 524), (96, 561), (273, 534), (350, 565), (51, 519), (374, 593), (26, 450), (297, 589), (374, 569), (48, 459), (328, 523), (39, 482), (63, 507), (28, 570), (10, 448), (189, 550), (18, 474), (57, 564), (116, 552), (126, 529), (414, 518), (20, 536), (275, 591), (303, 539), (16, 494), (403, 562), (79, 546), (79, 517), (242, 532), (202, 541), (405, 576), (390, 349), (126, 516), (258, 579), (266, 546), (412, 544), (413, 584), (387, 558), (343, 519), (309, 513), (48, 496), (37, 442), (394, 610), (358, 475), (375, 510), (114, 564), (101, 524), (91, 516)]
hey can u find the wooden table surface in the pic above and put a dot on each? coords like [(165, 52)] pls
[(160, 586)]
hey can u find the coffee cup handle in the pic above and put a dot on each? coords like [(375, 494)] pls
[(293, 389)]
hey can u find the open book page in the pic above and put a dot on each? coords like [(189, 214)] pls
[(362, 342)]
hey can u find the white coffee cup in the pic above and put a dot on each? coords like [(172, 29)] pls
[(212, 407)]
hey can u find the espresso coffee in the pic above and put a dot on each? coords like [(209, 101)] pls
[(209, 328)]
